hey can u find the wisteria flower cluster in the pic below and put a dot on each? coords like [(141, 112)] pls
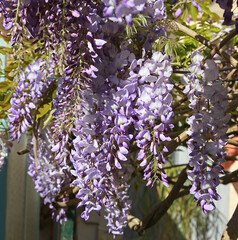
[(103, 136), (29, 91), (47, 174), (99, 105), (109, 97), (208, 126), (118, 10), (154, 113)]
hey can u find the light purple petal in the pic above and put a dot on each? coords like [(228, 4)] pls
[(121, 156)]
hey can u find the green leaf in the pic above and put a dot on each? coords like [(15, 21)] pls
[(235, 40), (184, 15), (7, 97), (208, 13), (6, 107), (5, 50), (49, 118), (193, 11), (5, 85), (43, 110), (160, 43), (10, 67), (142, 20)]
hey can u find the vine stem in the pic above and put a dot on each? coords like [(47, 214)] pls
[(160, 208), (35, 149)]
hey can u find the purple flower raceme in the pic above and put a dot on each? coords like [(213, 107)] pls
[(101, 143), (125, 10), (31, 86), (30, 18), (78, 71), (138, 103), (49, 177), (154, 113), (102, 96), (108, 121), (206, 123)]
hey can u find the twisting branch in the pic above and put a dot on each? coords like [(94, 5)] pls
[(206, 42), (222, 43), (230, 74), (160, 209), (219, 36), (172, 145), (229, 178), (231, 230)]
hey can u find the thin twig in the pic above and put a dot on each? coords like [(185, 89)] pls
[(22, 152), (231, 158), (184, 116), (232, 129), (230, 74), (222, 43), (35, 149), (175, 166)]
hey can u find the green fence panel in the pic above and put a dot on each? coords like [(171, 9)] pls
[(67, 230)]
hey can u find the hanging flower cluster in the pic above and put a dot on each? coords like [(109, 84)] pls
[(29, 92), (208, 126), (109, 95)]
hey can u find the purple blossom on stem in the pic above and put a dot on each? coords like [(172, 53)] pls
[(30, 89), (153, 108), (206, 123), (49, 177)]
